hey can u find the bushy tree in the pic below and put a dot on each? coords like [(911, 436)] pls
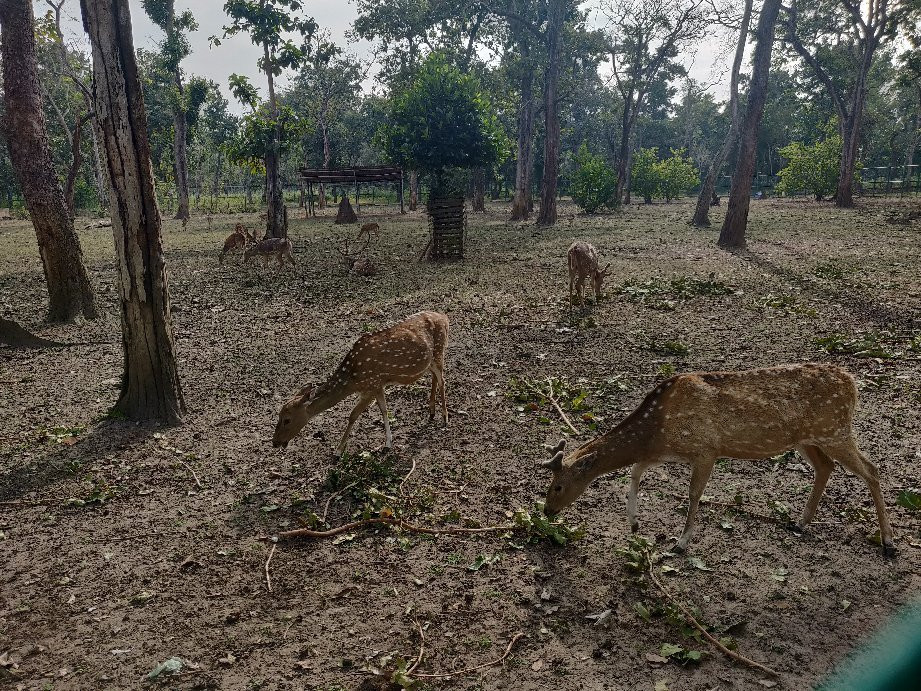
[(594, 183), (644, 173), (442, 121), (814, 168), (677, 175)]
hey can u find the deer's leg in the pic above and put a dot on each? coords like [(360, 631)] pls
[(438, 378), (361, 407), (823, 466), (291, 259), (848, 455), (382, 404), (572, 279), (700, 474), (635, 475)]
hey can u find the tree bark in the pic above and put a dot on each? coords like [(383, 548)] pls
[(732, 234), (181, 155), (479, 189), (76, 162), (520, 207), (70, 293), (701, 217), (556, 14), (276, 215), (150, 384)]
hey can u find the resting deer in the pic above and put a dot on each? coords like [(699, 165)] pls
[(398, 354), (237, 240), (356, 261), (583, 264), (280, 247), (699, 417)]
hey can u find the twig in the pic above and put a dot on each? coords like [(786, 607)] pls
[(421, 649), (553, 402), (697, 625), (34, 502), (333, 496), (399, 522), (497, 661), (411, 471), (268, 577), (194, 475)]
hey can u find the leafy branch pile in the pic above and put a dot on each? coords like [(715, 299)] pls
[(581, 399), (872, 344)]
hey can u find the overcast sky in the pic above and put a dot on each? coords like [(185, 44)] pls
[(239, 55)]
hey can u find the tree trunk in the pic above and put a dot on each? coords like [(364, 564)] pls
[(479, 189), (276, 214), (732, 234), (850, 139), (76, 162), (150, 383), (701, 217), (181, 155), (327, 155), (556, 14), (912, 144), (69, 291), (520, 208), (623, 154), (413, 190), (99, 173)]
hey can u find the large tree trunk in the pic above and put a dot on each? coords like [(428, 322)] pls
[(276, 214), (732, 234), (69, 291), (556, 14), (850, 140), (150, 384), (479, 189), (701, 217), (413, 190), (520, 207), (623, 154)]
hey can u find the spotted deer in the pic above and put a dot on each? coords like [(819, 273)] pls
[(237, 240), (699, 417), (281, 248), (367, 231), (583, 264), (399, 354)]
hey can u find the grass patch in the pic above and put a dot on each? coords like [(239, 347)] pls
[(667, 294)]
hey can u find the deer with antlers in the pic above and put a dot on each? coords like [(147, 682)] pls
[(357, 261), (399, 354), (699, 417), (237, 240), (583, 264)]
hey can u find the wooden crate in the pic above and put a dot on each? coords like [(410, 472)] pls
[(448, 223)]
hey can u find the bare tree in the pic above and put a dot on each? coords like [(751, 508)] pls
[(70, 293), (857, 29), (150, 383), (702, 210), (732, 234), (645, 37)]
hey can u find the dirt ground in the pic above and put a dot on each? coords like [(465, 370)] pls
[(124, 546)]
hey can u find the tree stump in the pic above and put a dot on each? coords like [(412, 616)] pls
[(346, 214)]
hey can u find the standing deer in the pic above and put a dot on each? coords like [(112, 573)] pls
[(281, 248), (699, 417), (583, 263), (368, 230), (398, 354), (237, 240)]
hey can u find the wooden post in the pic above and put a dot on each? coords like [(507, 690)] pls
[(402, 211), (357, 203)]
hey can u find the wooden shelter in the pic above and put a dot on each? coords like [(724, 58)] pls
[(349, 176)]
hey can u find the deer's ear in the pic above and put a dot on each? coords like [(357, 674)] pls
[(302, 397)]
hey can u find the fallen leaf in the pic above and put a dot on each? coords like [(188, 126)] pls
[(599, 618), (661, 685), (669, 649), (537, 665), (654, 659), (228, 660), (769, 683), (170, 666), (698, 564)]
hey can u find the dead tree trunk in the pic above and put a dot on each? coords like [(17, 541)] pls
[(556, 14), (701, 217), (732, 234), (520, 206), (150, 383), (69, 291)]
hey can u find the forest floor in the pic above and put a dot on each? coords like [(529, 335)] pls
[(124, 546)]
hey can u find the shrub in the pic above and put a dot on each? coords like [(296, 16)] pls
[(812, 168), (594, 183), (644, 175), (677, 174)]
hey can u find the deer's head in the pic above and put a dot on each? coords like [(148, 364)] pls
[(598, 277), (569, 481), (295, 413)]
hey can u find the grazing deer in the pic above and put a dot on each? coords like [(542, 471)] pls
[(237, 240), (583, 263), (398, 354), (699, 417), (367, 231), (280, 247)]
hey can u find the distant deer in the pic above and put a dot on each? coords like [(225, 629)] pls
[(699, 417), (583, 264), (356, 261), (237, 240), (367, 231), (398, 354), (281, 248)]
